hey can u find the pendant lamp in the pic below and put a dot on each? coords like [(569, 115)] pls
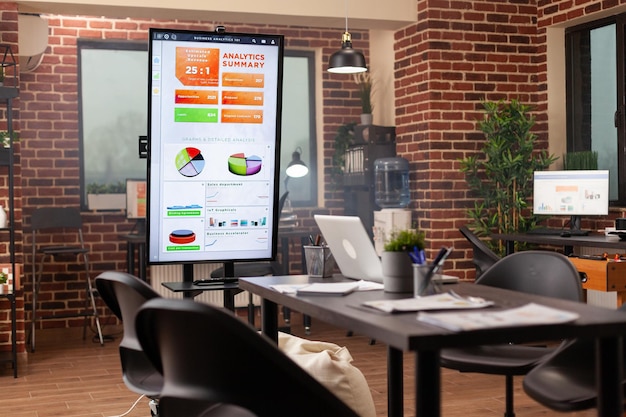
[(347, 60)]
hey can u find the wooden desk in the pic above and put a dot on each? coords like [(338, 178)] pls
[(593, 240), (401, 332)]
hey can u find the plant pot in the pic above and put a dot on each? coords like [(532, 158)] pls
[(397, 272), (106, 201), (367, 119)]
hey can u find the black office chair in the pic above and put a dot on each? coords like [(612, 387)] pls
[(566, 381), (62, 227), (208, 356), (482, 257), (124, 294), (535, 272)]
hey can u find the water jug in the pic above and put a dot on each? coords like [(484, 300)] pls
[(392, 182)]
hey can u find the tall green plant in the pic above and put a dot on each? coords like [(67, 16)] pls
[(500, 176), (580, 160)]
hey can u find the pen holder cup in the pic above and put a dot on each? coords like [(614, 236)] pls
[(319, 261), (421, 284)]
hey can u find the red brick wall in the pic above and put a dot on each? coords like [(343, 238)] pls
[(459, 54)]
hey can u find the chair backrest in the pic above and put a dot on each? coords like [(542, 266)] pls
[(482, 257), (124, 294), (536, 272), (207, 355), (56, 217)]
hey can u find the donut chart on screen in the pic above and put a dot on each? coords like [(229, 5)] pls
[(239, 164), (189, 162)]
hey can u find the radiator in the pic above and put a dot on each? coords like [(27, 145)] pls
[(174, 273), (598, 298)]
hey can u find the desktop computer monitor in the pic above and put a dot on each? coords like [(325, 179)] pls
[(573, 193)]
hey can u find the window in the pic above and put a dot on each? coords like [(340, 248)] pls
[(595, 97), (113, 111), (298, 126), (113, 114)]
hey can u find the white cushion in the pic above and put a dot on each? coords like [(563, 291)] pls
[(331, 365)]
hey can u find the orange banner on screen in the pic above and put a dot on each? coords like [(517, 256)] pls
[(198, 66), (566, 188), (196, 97), (244, 98), (242, 116), (238, 79)]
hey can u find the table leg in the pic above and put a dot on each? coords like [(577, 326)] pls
[(141, 258), (609, 376), (427, 384), (130, 258), (229, 299), (269, 319), (395, 383)]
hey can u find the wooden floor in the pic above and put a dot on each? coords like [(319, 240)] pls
[(70, 377)]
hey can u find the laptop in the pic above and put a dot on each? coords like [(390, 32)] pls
[(351, 247), (353, 250)]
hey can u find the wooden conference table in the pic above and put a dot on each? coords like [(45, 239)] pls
[(402, 332)]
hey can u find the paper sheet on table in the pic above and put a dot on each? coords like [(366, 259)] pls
[(527, 314), (443, 301), (362, 286)]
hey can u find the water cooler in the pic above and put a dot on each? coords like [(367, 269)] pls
[(391, 188)]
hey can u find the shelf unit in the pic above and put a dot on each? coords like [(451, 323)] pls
[(371, 143), (7, 94)]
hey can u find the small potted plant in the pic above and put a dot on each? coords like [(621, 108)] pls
[(396, 260), (365, 83), (4, 278), (106, 196)]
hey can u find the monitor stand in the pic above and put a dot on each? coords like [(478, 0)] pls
[(575, 229)]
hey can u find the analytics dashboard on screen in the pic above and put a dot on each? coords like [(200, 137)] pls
[(214, 143)]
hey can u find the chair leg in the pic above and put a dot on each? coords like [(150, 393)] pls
[(36, 285), (508, 395), (91, 298)]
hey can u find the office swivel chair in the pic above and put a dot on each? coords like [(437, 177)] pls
[(535, 272), (482, 257), (124, 294), (46, 224), (566, 381), (215, 358)]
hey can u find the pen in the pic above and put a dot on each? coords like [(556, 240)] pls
[(311, 240)]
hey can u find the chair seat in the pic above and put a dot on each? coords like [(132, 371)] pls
[(62, 250), (494, 359), (566, 381)]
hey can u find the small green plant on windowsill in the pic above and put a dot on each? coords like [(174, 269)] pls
[(4, 278), (112, 188), (580, 160)]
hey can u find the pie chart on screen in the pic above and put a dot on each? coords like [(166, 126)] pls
[(240, 164), (189, 162)]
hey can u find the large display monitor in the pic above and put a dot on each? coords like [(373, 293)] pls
[(571, 193), (213, 157)]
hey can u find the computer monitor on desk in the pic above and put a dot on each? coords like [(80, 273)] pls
[(573, 193)]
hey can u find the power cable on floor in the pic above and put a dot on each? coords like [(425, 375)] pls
[(132, 407)]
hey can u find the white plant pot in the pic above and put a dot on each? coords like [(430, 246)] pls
[(367, 119), (397, 272), (106, 201)]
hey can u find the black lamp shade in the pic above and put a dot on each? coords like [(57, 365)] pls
[(347, 60), (296, 167)]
